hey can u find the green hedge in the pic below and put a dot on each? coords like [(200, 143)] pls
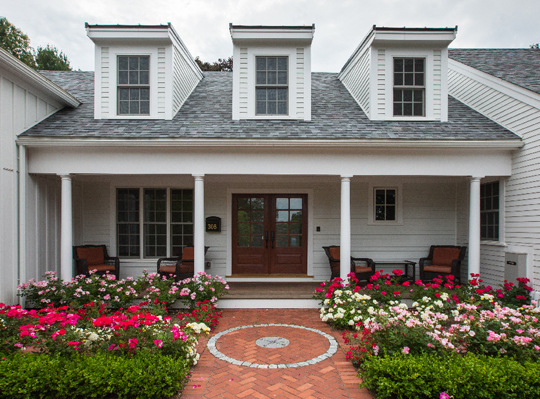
[(468, 377), (143, 375)]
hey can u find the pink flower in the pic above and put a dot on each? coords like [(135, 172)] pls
[(444, 395), (405, 350), (75, 344), (133, 343), (112, 347), (158, 342)]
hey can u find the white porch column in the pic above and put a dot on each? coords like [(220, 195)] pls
[(22, 217), (345, 236), (199, 223), (66, 230), (474, 226)]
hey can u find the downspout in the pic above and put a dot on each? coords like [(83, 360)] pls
[(22, 164)]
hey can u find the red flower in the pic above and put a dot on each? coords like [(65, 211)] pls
[(397, 272)]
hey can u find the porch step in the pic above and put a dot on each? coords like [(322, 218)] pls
[(269, 295), (267, 304)]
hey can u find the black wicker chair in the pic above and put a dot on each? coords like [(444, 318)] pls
[(95, 257), (363, 268), (179, 268), (442, 260)]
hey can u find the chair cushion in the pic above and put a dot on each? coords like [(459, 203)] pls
[(93, 255), (167, 269), (335, 252), (187, 267), (445, 256), (438, 269), (362, 269), (102, 268), (188, 253)]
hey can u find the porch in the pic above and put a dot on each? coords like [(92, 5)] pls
[(75, 200)]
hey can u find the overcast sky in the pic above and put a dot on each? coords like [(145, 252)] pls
[(340, 25)]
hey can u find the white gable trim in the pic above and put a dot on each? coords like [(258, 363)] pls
[(510, 89)]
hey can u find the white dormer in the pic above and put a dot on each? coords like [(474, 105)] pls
[(141, 71), (401, 73), (272, 72)]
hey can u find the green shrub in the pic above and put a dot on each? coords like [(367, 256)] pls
[(143, 375), (471, 377)]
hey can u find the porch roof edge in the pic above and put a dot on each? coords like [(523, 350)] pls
[(30, 141)]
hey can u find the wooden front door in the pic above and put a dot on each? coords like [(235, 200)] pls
[(269, 234)]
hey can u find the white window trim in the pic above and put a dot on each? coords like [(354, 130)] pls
[(290, 53), (502, 207), (151, 52), (371, 205), (114, 215), (427, 54)]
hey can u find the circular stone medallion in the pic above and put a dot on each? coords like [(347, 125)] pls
[(273, 342)]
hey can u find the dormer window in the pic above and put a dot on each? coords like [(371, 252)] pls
[(409, 87), (272, 86), (133, 85)]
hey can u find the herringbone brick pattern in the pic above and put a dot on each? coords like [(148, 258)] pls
[(332, 378)]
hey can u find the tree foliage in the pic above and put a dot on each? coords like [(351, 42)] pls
[(51, 59), (225, 65), (17, 43)]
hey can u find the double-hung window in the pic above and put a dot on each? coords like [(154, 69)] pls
[(409, 87), (489, 211), (164, 216), (385, 204), (272, 90), (133, 85)]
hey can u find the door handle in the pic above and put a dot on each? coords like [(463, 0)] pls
[(266, 238), (273, 237)]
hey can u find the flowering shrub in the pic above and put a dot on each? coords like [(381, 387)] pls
[(202, 287), (157, 291), (204, 312), (65, 331)]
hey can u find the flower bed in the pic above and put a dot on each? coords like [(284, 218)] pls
[(445, 319), (96, 348), (156, 291)]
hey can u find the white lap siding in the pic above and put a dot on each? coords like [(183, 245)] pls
[(522, 189)]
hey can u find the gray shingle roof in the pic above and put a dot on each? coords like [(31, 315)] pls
[(518, 66), (208, 114)]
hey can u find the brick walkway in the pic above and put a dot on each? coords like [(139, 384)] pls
[(332, 377)]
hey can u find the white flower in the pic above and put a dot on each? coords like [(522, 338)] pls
[(351, 322)]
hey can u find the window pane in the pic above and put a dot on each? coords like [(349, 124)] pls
[(282, 216), (261, 78), (123, 63), (261, 94), (379, 197), (407, 95), (379, 212), (282, 228), (296, 216), (257, 216), (398, 110), (398, 79), (133, 107), (391, 212), (419, 65), (144, 78), (144, 63), (257, 203), (282, 94), (261, 63), (243, 241), (271, 64), (257, 228), (272, 110), (409, 79), (407, 109), (418, 110), (123, 77), (296, 241), (296, 228), (261, 107), (272, 94), (133, 63), (145, 107), (282, 108), (257, 241), (296, 203), (398, 65), (133, 94), (272, 77), (391, 197), (409, 65), (133, 77), (418, 79), (282, 203), (124, 107), (282, 241), (282, 78), (282, 63)]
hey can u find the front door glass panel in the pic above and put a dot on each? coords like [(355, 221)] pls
[(250, 219)]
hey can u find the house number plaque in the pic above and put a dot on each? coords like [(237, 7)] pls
[(213, 223)]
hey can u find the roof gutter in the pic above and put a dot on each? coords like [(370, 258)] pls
[(27, 73), (512, 144)]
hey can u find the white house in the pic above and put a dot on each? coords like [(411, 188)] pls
[(391, 155)]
